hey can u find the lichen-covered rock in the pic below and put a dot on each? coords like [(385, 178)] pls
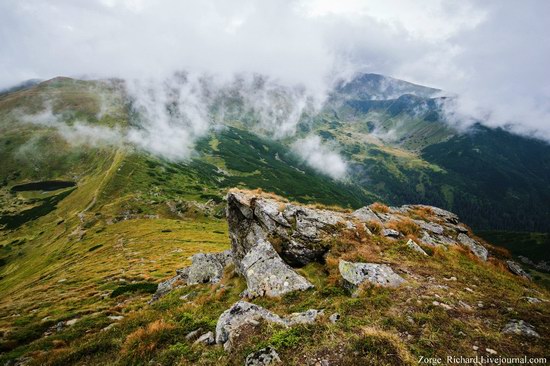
[(516, 269), (378, 274), (365, 214), (411, 244), (264, 357), (269, 236), (239, 314), (306, 317), (479, 250), (208, 268), (267, 275), (430, 226), (520, 327), (204, 268), (242, 313)]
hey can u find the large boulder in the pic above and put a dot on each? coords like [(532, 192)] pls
[(270, 237), (379, 274), (479, 250), (264, 357), (243, 313), (204, 268), (516, 269), (208, 268), (267, 275), (520, 327)]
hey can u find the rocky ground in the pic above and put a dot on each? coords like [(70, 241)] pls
[(272, 238), (312, 285)]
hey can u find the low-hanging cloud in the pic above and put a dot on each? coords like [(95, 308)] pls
[(320, 156), (492, 55)]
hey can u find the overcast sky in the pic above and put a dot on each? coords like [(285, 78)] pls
[(494, 54)]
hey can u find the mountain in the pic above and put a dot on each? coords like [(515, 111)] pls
[(88, 229)]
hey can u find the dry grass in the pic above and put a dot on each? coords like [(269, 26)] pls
[(405, 226), (144, 341), (379, 207)]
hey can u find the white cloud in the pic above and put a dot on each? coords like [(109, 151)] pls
[(493, 54), (320, 156)]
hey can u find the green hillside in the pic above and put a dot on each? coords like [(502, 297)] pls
[(88, 230)]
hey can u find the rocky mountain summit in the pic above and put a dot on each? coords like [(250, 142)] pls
[(273, 240)]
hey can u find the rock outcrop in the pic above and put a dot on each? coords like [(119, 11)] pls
[(516, 269), (242, 313), (520, 327), (264, 357), (204, 268), (411, 244), (378, 274), (270, 238), (474, 246)]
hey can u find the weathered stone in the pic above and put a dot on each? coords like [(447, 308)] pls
[(479, 250), (520, 327), (267, 275), (239, 314), (378, 274), (193, 334), (365, 214), (206, 338), (516, 269), (264, 357), (243, 312), (166, 286), (428, 239), (306, 317), (411, 244), (430, 226), (208, 268), (391, 233), (533, 300), (204, 268)]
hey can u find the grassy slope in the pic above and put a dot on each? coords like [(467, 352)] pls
[(66, 264), (380, 326)]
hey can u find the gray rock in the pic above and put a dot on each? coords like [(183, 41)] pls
[(479, 250), (411, 244), (243, 312), (166, 286), (208, 268), (206, 338), (204, 268), (428, 239), (240, 314), (306, 317), (532, 300), (264, 357), (267, 275), (520, 327), (430, 226), (391, 233), (256, 222), (365, 214), (378, 274), (334, 317), (193, 334), (516, 269), (445, 240)]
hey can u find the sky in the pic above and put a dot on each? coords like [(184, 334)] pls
[(493, 55)]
